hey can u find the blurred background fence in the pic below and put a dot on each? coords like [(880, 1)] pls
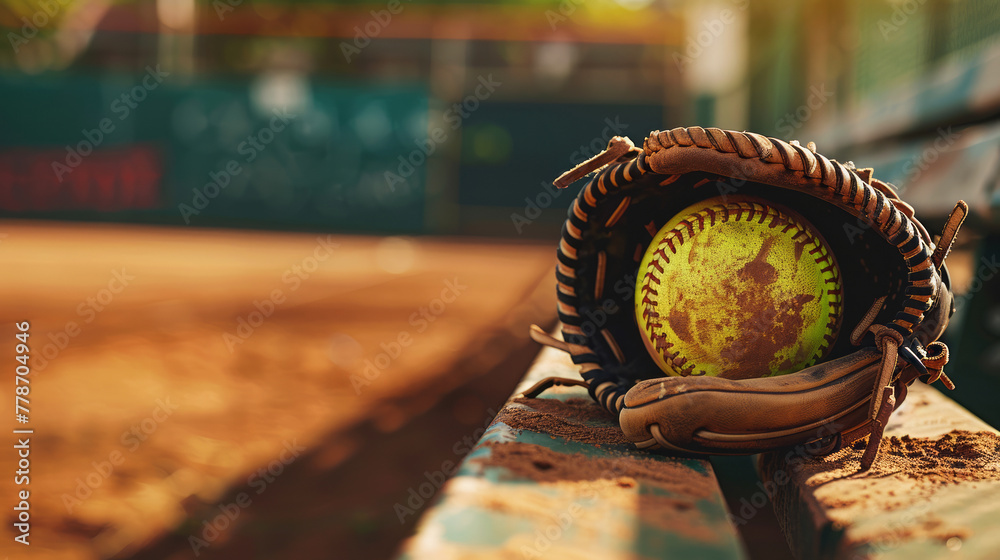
[(445, 117), (452, 118)]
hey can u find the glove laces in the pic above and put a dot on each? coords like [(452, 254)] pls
[(919, 362)]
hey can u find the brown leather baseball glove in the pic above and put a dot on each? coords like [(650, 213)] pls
[(896, 302)]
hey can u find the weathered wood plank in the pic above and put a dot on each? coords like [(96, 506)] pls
[(934, 492), (554, 478)]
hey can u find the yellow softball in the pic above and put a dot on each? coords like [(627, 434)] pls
[(737, 288)]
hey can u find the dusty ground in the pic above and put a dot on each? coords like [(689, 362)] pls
[(153, 406)]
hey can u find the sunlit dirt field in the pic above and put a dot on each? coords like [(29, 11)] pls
[(170, 366)]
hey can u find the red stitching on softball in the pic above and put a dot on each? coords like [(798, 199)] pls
[(701, 222), (670, 243), (660, 341)]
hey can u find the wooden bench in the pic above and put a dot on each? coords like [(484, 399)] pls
[(930, 495), (554, 478)]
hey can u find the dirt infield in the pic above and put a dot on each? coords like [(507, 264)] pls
[(176, 369)]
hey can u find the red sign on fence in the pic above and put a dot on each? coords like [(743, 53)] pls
[(108, 180)]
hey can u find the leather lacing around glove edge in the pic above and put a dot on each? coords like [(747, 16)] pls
[(924, 363), (890, 388)]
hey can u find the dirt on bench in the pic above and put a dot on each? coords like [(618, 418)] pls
[(909, 472), (958, 456), (572, 419), (664, 494), (545, 465)]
